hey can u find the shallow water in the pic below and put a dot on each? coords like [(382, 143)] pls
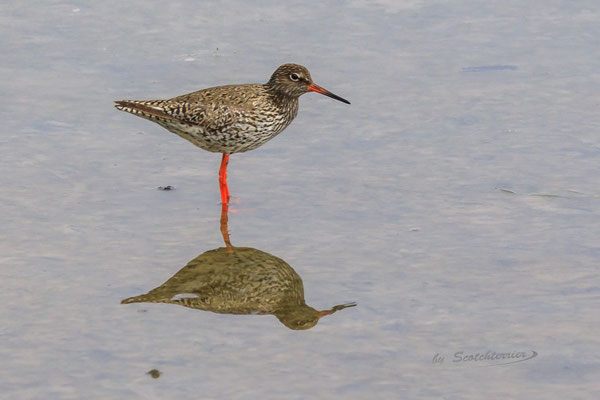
[(456, 200)]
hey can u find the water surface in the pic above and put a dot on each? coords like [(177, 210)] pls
[(456, 201)]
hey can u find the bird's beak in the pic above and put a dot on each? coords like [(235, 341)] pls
[(323, 313), (316, 88)]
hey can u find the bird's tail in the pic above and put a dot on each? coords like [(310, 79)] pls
[(183, 299), (144, 298), (150, 109)]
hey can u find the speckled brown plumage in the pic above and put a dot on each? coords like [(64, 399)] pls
[(239, 280), (233, 118)]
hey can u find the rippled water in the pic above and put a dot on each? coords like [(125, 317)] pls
[(455, 201)]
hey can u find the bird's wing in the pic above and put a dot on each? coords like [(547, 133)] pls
[(215, 107), (209, 115), (212, 116)]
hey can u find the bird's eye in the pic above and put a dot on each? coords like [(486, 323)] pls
[(295, 77)]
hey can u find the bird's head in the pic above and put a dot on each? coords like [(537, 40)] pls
[(293, 80)]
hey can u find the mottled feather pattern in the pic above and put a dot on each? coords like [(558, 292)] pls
[(232, 118), (247, 281), (239, 280), (224, 119)]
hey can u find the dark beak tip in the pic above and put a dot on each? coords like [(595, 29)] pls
[(341, 99), (338, 98)]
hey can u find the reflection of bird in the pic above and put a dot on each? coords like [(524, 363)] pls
[(239, 280), (233, 118)]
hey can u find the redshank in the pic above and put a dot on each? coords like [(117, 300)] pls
[(247, 281), (233, 118), (239, 280)]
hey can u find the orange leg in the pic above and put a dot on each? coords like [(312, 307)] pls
[(224, 228), (223, 179)]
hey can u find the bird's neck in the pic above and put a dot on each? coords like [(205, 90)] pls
[(280, 96), (282, 100)]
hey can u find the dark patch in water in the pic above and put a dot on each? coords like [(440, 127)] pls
[(166, 187), (154, 373)]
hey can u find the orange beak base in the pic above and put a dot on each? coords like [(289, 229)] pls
[(316, 88)]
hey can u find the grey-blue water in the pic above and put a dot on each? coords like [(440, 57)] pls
[(457, 200)]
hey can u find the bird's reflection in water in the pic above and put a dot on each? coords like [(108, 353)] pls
[(239, 280)]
